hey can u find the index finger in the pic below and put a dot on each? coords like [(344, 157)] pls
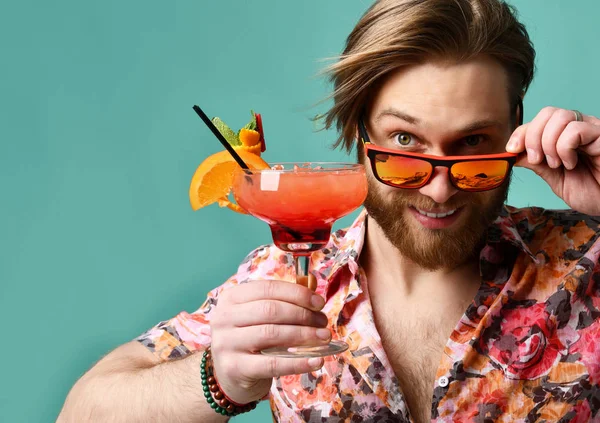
[(276, 290)]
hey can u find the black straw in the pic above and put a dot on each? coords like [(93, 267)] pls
[(220, 137)]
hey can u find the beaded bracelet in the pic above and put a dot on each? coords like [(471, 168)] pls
[(215, 397)]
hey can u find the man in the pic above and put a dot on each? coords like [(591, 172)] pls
[(455, 307)]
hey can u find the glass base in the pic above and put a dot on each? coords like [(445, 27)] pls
[(334, 347), (300, 249)]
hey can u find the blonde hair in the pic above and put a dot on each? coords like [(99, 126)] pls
[(398, 33)]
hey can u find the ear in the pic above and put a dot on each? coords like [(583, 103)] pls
[(519, 110)]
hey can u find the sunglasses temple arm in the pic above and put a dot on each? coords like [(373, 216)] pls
[(362, 132), (520, 111)]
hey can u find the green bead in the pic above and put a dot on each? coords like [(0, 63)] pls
[(203, 377), (211, 401), (218, 409), (224, 412), (207, 394), (213, 405)]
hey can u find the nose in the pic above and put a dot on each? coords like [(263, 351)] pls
[(439, 188)]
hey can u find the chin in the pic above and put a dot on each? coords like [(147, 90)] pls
[(432, 249)]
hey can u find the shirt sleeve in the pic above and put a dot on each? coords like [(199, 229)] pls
[(187, 333)]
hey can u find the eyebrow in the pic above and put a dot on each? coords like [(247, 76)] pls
[(399, 114), (471, 127)]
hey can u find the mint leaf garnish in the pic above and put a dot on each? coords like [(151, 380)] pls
[(252, 124), (227, 132)]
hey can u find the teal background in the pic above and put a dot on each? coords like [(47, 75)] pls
[(98, 143)]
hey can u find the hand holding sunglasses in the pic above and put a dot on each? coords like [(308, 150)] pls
[(563, 147)]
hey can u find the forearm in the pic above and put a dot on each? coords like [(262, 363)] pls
[(115, 391)]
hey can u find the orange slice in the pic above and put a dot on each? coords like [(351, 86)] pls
[(213, 179), (249, 137), (254, 149)]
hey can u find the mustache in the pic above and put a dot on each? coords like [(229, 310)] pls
[(402, 199)]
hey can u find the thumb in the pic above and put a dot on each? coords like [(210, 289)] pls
[(551, 176), (522, 161)]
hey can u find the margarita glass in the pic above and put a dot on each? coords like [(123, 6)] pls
[(301, 202)]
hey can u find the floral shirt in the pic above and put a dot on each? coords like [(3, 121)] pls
[(527, 349)]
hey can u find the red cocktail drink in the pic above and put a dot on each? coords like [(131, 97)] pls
[(301, 203)]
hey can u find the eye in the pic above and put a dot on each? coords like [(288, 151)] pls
[(473, 140), (403, 138)]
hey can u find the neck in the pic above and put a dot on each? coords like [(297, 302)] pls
[(391, 272)]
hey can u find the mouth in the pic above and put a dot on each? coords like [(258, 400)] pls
[(436, 215), (436, 219)]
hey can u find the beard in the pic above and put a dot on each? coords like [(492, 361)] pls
[(434, 249)]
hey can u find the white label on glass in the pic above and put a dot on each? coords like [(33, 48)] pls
[(269, 181)]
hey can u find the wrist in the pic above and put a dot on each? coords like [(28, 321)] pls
[(213, 392)]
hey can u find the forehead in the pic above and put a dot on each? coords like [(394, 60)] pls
[(446, 93)]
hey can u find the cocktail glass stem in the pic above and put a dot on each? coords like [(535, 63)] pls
[(301, 265)]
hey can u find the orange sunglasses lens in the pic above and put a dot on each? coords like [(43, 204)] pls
[(402, 172), (479, 175)]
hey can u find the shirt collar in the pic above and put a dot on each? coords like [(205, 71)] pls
[(343, 249), (505, 230)]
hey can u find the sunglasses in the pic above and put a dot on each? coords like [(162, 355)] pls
[(414, 170)]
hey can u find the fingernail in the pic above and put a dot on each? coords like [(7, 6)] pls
[(322, 320), (317, 302), (532, 155), (568, 165), (512, 144), (551, 161), (315, 362), (323, 334)]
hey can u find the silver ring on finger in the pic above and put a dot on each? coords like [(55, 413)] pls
[(578, 116)]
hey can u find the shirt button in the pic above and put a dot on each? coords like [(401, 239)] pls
[(481, 310), (443, 381)]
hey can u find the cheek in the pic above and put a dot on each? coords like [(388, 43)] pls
[(381, 196), (495, 196), (376, 190), (383, 193), (485, 203), (482, 198)]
